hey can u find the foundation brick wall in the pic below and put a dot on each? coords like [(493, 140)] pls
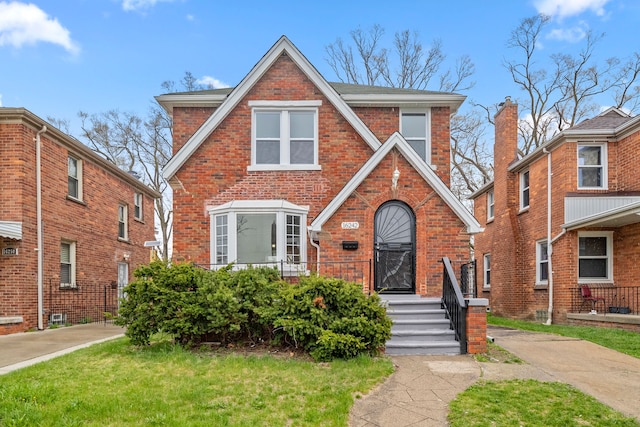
[(91, 223)]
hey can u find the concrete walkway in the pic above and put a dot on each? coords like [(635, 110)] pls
[(28, 348), (419, 392)]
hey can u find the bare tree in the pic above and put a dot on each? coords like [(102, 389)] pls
[(407, 65), (559, 97)]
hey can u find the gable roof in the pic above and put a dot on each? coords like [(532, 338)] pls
[(283, 45), (397, 140)]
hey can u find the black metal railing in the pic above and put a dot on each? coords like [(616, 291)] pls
[(358, 271), (607, 299), (454, 304), (81, 303)]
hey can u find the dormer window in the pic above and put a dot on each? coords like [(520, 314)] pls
[(414, 127), (284, 135)]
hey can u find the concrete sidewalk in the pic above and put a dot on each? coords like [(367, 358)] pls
[(25, 349), (419, 392)]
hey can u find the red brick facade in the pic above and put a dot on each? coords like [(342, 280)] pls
[(216, 172), (510, 237), (91, 223)]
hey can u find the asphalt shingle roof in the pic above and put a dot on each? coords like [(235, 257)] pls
[(610, 119)]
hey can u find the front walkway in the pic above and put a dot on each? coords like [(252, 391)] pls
[(419, 392)]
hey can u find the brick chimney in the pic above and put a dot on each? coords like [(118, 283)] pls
[(506, 237)]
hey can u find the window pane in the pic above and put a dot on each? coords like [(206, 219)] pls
[(525, 180), (65, 273), (414, 125), (73, 187), (256, 242), (593, 246), (544, 271), (221, 240), (590, 177), (73, 167), (543, 252), (593, 268), (420, 146), (65, 253), (589, 156), (293, 239), (301, 123), (302, 152), (525, 198), (268, 125), (268, 152)]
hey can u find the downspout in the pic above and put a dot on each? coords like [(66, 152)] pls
[(40, 248), (315, 245)]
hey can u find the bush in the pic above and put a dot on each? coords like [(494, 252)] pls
[(329, 318), (332, 318)]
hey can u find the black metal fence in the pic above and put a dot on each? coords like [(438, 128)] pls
[(358, 271), (607, 299), (81, 303)]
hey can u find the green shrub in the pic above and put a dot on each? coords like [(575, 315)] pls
[(331, 318)]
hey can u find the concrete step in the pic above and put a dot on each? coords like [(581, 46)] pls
[(422, 348), (417, 324), (422, 314), (422, 335)]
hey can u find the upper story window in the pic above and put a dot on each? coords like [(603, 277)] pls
[(542, 262), (123, 232), (595, 256), (284, 135), (524, 190), (592, 166), (67, 264), (74, 173), (490, 205), (414, 126), (258, 232), (138, 199)]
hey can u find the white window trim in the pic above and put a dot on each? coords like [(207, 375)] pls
[(79, 177), (72, 263), (427, 113), (539, 245), (284, 107), (522, 189), (609, 236), (486, 257), (138, 198), (491, 202), (280, 208), (125, 220), (604, 166)]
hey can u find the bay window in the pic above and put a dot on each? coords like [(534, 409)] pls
[(258, 232)]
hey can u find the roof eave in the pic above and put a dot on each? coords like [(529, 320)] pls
[(453, 101)]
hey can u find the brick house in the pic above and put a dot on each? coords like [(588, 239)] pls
[(288, 168), (564, 216), (87, 219)]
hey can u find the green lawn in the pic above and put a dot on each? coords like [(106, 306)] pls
[(616, 339), (114, 384)]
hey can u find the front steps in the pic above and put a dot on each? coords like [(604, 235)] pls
[(419, 326)]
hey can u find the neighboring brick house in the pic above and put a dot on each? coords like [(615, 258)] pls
[(566, 215), (93, 219), (286, 167)]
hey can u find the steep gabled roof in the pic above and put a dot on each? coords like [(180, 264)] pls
[(396, 140), (283, 45)]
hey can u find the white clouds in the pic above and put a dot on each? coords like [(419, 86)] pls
[(212, 82), (26, 24), (138, 5), (571, 35), (0, 100), (565, 8)]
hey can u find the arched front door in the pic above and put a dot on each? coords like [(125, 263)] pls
[(394, 241)]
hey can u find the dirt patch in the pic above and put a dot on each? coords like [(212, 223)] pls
[(497, 354)]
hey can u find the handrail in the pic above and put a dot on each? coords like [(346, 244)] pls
[(454, 304)]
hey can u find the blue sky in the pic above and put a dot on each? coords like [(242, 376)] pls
[(60, 57)]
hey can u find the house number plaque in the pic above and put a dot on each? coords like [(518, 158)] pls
[(352, 225), (9, 251)]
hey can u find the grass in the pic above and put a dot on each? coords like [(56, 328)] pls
[(626, 342), (530, 403), (114, 384)]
